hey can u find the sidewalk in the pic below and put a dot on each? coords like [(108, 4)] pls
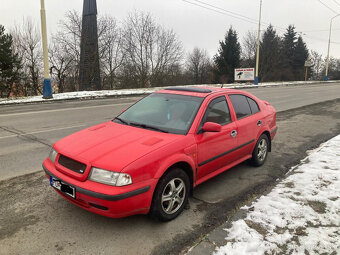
[(143, 91), (301, 215)]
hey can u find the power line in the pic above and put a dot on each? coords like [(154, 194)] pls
[(222, 11), (329, 8), (234, 13), (319, 39), (320, 30), (255, 20), (336, 2), (229, 13)]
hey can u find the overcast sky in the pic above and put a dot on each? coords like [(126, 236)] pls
[(197, 26)]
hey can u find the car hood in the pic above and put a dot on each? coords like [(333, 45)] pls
[(112, 146)]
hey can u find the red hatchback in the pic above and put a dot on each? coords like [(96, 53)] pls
[(149, 158)]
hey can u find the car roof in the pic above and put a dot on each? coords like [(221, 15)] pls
[(196, 91)]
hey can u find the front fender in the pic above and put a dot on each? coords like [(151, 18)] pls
[(174, 159)]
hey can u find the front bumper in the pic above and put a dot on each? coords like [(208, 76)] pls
[(117, 202)]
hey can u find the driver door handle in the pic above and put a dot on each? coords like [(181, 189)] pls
[(233, 133)]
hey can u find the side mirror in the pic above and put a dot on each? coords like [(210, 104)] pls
[(211, 127)]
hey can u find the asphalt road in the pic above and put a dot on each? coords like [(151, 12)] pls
[(34, 219), (27, 131)]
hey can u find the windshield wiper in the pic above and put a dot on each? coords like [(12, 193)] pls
[(148, 127), (122, 121)]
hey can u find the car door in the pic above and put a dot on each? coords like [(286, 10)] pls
[(214, 149), (248, 121)]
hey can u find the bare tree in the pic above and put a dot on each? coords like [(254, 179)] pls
[(249, 49), (150, 50), (199, 66), (61, 63), (111, 52), (27, 43), (318, 67), (67, 39)]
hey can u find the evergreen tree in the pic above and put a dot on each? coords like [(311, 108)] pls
[(269, 68), (9, 63), (228, 58), (300, 56), (288, 53)]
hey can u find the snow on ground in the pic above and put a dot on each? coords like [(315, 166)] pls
[(301, 215), (142, 91)]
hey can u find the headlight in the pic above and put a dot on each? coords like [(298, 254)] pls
[(53, 155), (109, 177)]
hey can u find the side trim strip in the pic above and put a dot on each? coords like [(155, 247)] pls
[(100, 195), (273, 131), (225, 153)]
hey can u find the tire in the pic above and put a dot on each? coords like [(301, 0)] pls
[(260, 152), (170, 196)]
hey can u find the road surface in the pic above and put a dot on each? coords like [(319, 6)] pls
[(28, 131), (35, 219)]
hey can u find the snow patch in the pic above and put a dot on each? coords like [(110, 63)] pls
[(301, 215), (142, 91)]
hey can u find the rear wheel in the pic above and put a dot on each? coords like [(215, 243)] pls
[(260, 151), (171, 195)]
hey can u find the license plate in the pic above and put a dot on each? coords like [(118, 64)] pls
[(64, 188)]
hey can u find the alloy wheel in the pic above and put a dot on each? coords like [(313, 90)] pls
[(173, 196), (262, 150)]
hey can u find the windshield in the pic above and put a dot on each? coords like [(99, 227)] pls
[(167, 113)]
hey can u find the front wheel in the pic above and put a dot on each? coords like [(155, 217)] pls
[(170, 196), (260, 151)]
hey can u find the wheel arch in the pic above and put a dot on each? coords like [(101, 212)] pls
[(267, 133), (186, 167)]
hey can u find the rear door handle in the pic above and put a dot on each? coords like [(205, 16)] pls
[(259, 122), (233, 133)]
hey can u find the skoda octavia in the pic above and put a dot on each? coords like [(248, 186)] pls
[(148, 159)]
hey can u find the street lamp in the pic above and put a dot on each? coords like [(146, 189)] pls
[(329, 44), (47, 89), (256, 81)]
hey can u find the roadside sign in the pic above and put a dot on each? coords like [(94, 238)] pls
[(309, 62), (244, 74)]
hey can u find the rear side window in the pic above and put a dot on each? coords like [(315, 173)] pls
[(241, 106), (253, 105)]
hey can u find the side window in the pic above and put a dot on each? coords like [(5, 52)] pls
[(217, 111), (253, 106), (241, 106)]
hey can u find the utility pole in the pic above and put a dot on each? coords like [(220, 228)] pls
[(256, 81), (47, 89), (329, 45)]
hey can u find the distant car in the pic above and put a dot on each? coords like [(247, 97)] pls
[(150, 157)]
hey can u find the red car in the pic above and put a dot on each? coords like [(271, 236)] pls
[(150, 157)]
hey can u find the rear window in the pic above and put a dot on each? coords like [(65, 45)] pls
[(241, 106)]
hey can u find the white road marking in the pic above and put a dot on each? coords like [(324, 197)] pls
[(43, 131), (62, 110)]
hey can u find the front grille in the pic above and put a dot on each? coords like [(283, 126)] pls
[(72, 164)]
